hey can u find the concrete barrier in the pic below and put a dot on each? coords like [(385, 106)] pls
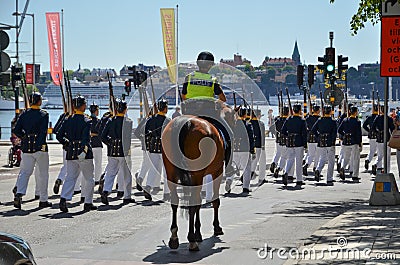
[(384, 191)]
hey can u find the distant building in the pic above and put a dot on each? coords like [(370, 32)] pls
[(296, 55), (237, 61)]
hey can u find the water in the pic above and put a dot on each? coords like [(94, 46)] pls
[(6, 117)]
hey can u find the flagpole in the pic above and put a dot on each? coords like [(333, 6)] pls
[(62, 37), (177, 61)]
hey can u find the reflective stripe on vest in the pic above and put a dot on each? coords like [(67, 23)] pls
[(200, 86)]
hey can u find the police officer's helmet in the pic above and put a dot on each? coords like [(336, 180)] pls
[(327, 110), (121, 105), (285, 110), (162, 104), (353, 110), (242, 111), (79, 101), (93, 107), (316, 108), (34, 98), (296, 108), (205, 56)]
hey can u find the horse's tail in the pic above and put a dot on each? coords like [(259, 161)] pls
[(181, 128)]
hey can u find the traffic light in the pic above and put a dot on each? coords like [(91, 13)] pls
[(310, 75), (5, 61), (341, 66), (138, 77), (128, 86), (300, 75), (16, 73), (330, 60), (323, 65)]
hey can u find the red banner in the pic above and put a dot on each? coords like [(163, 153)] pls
[(29, 75), (54, 36)]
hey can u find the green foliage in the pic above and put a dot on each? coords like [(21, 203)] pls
[(368, 11)]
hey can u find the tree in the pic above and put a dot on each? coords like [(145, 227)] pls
[(368, 11)]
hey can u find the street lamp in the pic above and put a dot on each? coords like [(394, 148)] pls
[(33, 40)]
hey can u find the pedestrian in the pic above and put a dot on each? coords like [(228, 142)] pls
[(153, 132), (295, 129), (263, 159), (350, 128), (177, 112), (325, 131), (270, 123), (74, 134), (117, 136), (95, 140), (255, 122), (312, 155), (31, 128)]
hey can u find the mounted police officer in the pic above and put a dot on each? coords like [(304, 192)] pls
[(74, 134), (378, 128), (367, 125), (295, 130), (244, 149), (153, 131), (325, 130), (117, 136), (350, 129), (95, 140), (200, 87), (311, 140), (31, 128), (279, 160)]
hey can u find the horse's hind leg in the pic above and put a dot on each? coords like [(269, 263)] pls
[(197, 233), (174, 241), (216, 202), (195, 203)]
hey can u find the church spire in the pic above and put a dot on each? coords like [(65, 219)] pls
[(296, 54)]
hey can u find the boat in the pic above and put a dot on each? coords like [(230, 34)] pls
[(97, 92), (273, 100)]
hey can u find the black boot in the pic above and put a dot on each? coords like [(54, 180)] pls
[(305, 167), (366, 164), (272, 167), (63, 205), (87, 207), (317, 176), (285, 179), (104, 197), (18, 201), (57, 184), (374, 168)]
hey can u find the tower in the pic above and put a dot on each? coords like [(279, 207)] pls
[(296, 54)]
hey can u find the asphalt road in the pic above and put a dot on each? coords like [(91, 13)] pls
[(137, 233)]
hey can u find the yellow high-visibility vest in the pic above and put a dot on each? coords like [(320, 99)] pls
[(200, 85)]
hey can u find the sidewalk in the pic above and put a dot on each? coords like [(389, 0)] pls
[(363, 235)]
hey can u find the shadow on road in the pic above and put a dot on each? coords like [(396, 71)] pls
[(165, 255)]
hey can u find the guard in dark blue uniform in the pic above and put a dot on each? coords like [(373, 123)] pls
[(262, 161), (257, 141), (350, 129), (295, 130), (74, 134), (325, 130), (153, 131), (117, 136), (367, 125), (338, 123), (279, 160), (378, 128), (95, 140), (312, 155), (31, 128)]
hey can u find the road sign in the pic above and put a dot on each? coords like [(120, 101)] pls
[(5, 61), (390, 46), (390, 8)]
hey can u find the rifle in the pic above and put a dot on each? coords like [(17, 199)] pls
[(65, 107), (147, 109), (234, 100), (378, 103), (309, 100), (112, 98), (347, 104), (322, 101), (373, 100), (252, 106), (290, 105), (69, 93), (155, 109), (279, 102), (25, 92)]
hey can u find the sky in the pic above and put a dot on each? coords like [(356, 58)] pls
[(111, 34)]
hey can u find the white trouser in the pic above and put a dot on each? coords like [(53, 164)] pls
[(243, 162), (208, 186), (255, 161), (262, 165), (114, 166), (41, 159), (326, 154), (379, 159), (372, 149), (74, 167), (146, 164), (97, 161), (78, 182), (351, 155), (63, 171), (155, 171), (340, 158), (282, 160), (294, 155), (312, 154), (278, 153)]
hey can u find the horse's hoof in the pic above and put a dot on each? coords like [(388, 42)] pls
[(218, 232), (198, 238), (173, 243), (193, 246)]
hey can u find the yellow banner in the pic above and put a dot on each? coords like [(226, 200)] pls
[(168, 31)]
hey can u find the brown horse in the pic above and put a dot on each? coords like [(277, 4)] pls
[(192, 149)]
